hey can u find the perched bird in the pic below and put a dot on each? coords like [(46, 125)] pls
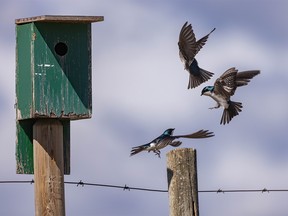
[(224, 87), (166, 139), (188, 48)]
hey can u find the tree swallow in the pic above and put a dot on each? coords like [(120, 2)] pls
[(166, 139), (188, 48), (224, 87)]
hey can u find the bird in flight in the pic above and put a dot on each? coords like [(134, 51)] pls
[(166, 139), (225, 87), (188, 48)]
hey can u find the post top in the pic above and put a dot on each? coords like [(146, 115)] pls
[(60, 19)]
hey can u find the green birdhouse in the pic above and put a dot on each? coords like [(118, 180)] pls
[(53, 77)]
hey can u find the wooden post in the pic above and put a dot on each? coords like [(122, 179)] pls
[(182, 182), (48, 167)]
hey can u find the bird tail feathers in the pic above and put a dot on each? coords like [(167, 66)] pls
[(233, 110), (136, 150), (203, 76)]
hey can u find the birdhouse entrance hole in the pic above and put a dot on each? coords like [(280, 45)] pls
[(61, 49), (53, 81)]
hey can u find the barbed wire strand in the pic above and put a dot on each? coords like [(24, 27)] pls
[(125, 187), (17, 182)]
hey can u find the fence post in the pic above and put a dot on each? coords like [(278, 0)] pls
[(48, 167), (182, 182)]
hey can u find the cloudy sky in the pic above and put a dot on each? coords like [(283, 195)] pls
[(140, 89)]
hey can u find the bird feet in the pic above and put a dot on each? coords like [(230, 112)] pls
[(215, 107), (157, 152)]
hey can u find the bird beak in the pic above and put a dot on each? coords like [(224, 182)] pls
[(173, 131)]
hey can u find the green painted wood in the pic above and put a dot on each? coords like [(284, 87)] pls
[(62, 83), (24, 75), (53, 76), (67, 148), (24, 146)]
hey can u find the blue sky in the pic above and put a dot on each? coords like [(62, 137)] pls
[(140, 89)]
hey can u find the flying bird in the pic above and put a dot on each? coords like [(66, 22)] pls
[(166, 139), (188, 48), (225, 87)]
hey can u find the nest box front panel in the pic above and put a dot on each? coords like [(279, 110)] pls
[(60, 71)]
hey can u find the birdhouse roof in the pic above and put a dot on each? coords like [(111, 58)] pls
[(60, 19)]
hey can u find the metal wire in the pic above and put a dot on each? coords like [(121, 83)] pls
[(128, 188)]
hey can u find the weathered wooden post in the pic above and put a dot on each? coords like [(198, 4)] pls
[(48, 167), (182, 182), (53, 86)]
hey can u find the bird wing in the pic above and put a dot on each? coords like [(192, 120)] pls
[(167, 140), (200, 43), (187, 42), (198, 134), (226, 84), (244, 77), (176, 143)]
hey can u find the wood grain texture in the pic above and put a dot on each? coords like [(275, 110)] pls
[(60, 18), (182, 182), (48, 168)]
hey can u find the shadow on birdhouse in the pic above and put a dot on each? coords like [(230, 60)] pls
[(53, 78)]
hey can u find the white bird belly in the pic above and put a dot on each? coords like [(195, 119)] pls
[(220, 100)]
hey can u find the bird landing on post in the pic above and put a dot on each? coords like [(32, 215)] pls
[(166, 139)]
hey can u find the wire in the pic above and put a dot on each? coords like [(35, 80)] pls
[(125, 187), (16, 182), (244, 190)]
